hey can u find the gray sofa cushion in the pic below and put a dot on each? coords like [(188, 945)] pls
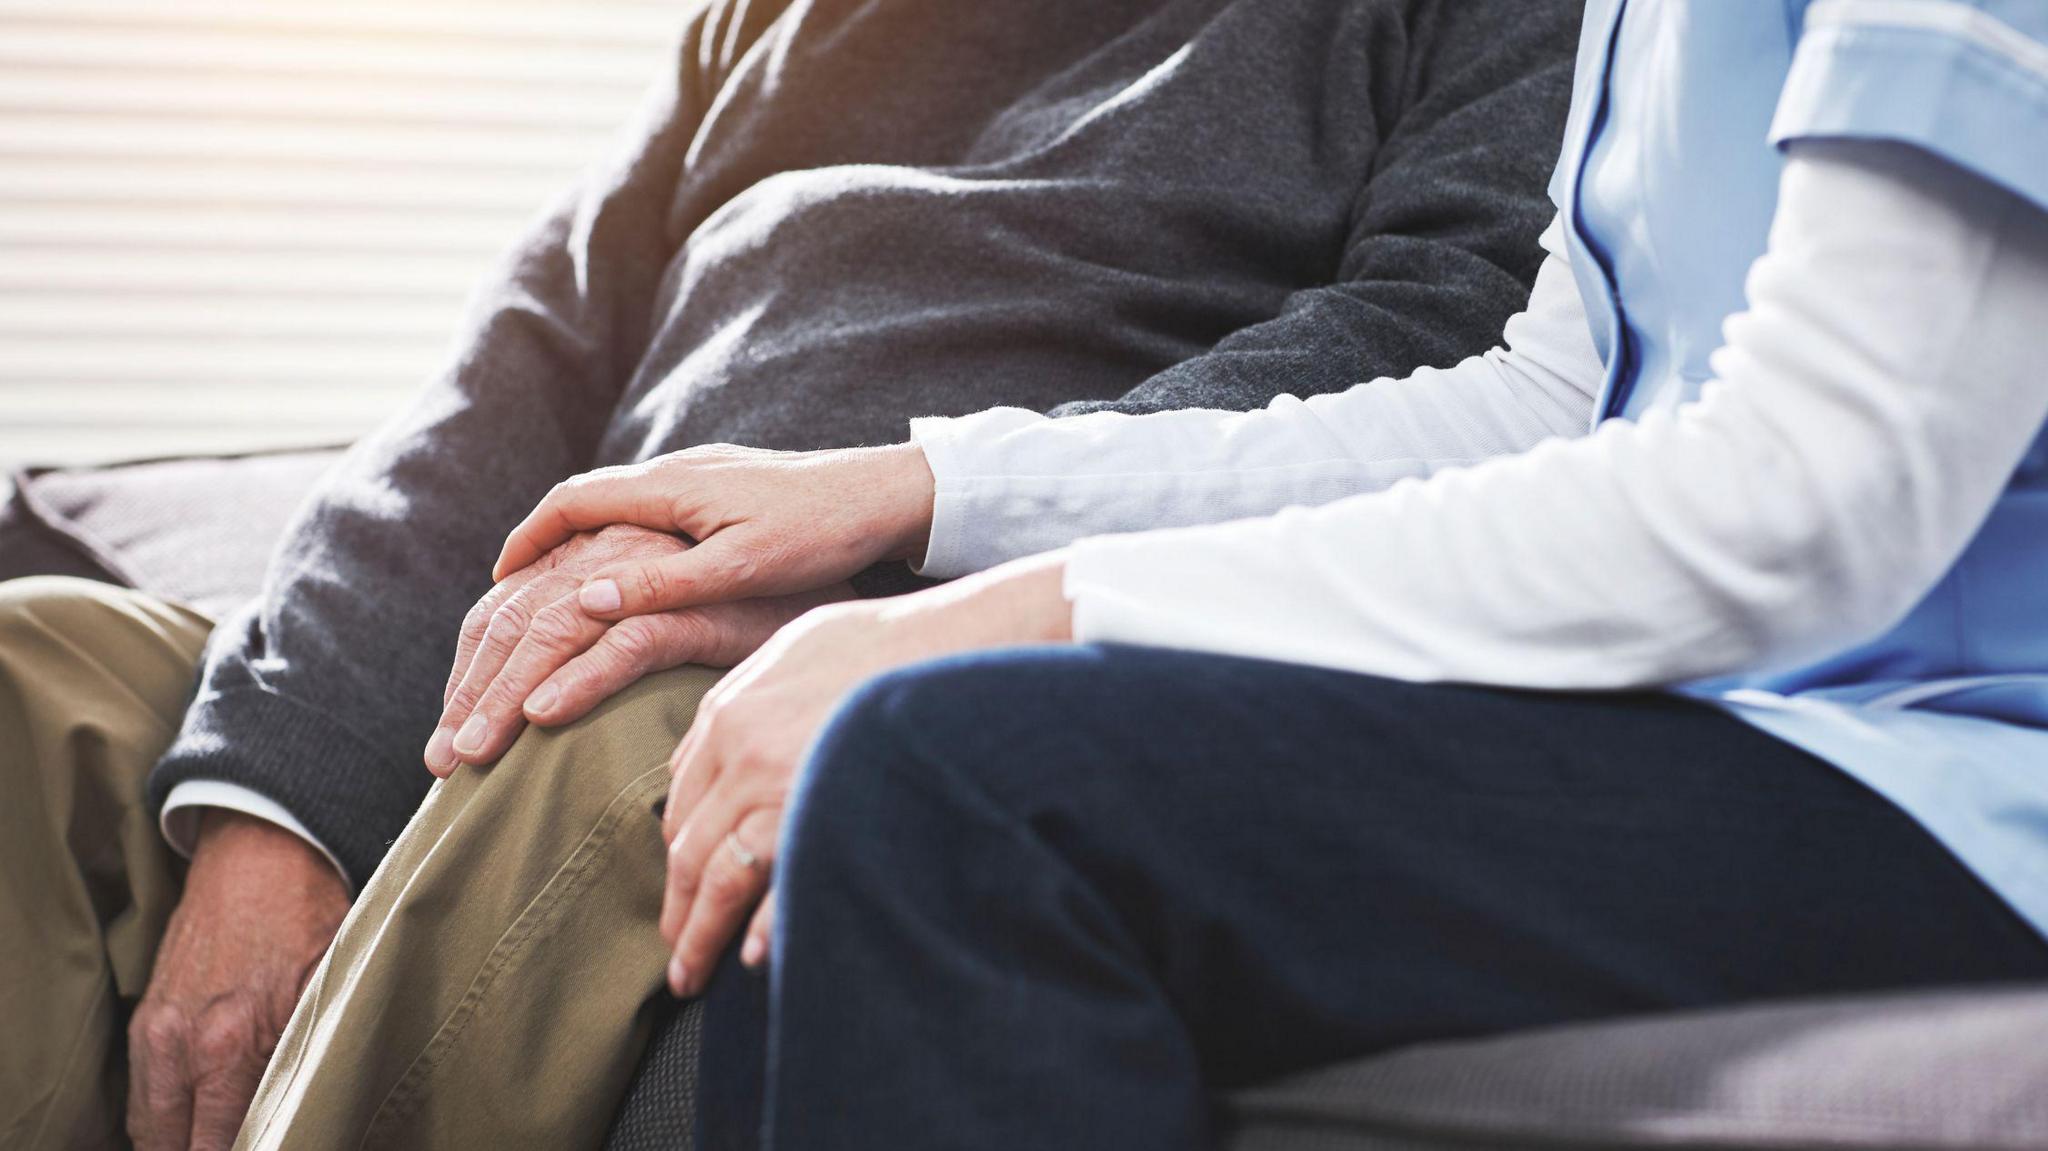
[(199, 531), (1946, 1070)]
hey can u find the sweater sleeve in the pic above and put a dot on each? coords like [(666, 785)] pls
[(321, 693), (1440, 249), (1869, 407), (1010, 483)]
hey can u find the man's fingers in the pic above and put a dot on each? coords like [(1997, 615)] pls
[(220, 1103), (724, 566), (732, 881), (159, 1081), (626, 651), (716, 636), (473, 626), (503, 631), (558, 634), (618, 495), (229, 1053), (760, 934)]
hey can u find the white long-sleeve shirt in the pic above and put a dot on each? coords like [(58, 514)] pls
[(1468, 524)]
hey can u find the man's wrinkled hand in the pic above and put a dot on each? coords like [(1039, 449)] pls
[(529, 652), (259, 909)]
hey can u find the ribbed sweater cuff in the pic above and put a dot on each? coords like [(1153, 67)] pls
[(352, 797)]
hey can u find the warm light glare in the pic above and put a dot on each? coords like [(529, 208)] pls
[(236, 224)]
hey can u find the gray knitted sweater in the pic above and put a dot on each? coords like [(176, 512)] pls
[(834, 216)]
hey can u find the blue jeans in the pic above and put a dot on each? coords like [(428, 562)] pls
[(1059, 897)]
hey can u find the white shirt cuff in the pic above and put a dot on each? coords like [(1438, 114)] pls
[(966, 505), (182, 807), (936, 435), (996, 493)]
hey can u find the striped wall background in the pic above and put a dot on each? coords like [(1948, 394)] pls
[(232, 224)]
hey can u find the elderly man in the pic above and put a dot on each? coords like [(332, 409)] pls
[(832, 218)]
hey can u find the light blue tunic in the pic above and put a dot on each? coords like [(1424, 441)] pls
[(1667, 186)]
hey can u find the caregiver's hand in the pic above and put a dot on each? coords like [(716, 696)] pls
[(766, 523), (735, 766), (528, 653)]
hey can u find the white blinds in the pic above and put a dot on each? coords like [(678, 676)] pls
[(230, 224)]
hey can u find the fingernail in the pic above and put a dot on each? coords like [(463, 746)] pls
[(753, 951), (599, 595), (470, 739), (439, 755), (678, 977), (543, 701)]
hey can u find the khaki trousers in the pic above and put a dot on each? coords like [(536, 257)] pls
[(92, 682), (492, 986)]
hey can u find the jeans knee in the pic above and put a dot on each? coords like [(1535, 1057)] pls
[(908, 760), (851, 785)]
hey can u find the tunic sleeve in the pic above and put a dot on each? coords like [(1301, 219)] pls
[(1966, 80)]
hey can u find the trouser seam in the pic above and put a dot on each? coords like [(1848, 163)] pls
[(572, 877)]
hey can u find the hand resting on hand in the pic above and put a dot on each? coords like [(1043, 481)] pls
[(765, 522), (529, 653)]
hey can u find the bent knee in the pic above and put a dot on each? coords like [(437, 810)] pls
[(616, 743), (961, 701), (88, 615), (73, 651), (991, 716), (50, 601), (914, 750), (1030, 738)]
